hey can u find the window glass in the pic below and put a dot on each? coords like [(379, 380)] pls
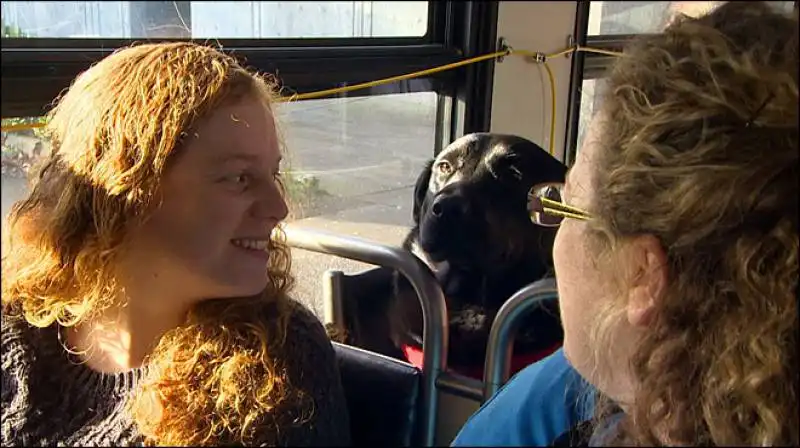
[(213, 19), (363, 153), (20, 149), (635, 17)]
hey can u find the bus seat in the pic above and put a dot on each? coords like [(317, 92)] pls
[(382, 397), (365, 300)]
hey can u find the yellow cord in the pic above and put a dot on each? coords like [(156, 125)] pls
[(538, 58), (542, 58), (365, 85), (552, 107)]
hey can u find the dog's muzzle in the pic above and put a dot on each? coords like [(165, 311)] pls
[(449, 208), (449, 229)]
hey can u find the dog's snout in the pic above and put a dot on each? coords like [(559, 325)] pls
[(448, 206)]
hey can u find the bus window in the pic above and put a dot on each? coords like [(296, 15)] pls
[(201, 19), (356, 159)]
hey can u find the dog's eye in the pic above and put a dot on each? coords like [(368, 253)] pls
[(444, 168)]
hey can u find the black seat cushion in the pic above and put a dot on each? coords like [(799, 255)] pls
[(367, 301), (382, 395)]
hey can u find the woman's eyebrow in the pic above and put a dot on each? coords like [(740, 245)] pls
[(227, 160), (571, 185), (242, 157), (566, 177), (234, 157)]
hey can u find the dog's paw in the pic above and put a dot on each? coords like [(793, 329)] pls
[(336, 334), (470, 319)]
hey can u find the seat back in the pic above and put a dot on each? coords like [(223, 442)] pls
[(365, 300), (382, 397)]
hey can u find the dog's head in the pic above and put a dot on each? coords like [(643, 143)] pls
[(470, 202)]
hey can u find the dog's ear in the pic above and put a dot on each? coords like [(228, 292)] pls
[(421, 189)]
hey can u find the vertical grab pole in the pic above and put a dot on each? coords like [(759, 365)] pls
[(434, 341), (434, 311)]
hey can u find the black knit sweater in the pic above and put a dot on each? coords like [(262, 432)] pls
[(49, 399)]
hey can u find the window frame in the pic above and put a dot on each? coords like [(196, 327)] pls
[(576, 78), (474, 31), (36, 70)]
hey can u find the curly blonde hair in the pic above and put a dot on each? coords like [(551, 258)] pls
[(113, 135), (699, 147)]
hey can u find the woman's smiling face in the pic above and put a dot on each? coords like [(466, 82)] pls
[(221, 201)]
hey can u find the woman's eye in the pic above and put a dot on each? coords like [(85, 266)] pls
[(240, 180)]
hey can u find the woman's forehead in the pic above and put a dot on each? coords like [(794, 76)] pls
[(587, 151), (246, 125), (593, 133)]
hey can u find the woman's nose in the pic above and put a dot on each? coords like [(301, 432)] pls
[(271, 204)]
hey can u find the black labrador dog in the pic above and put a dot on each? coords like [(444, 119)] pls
[(472, 228)]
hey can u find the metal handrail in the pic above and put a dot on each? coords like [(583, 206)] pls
[(497, 366), (434, 311)]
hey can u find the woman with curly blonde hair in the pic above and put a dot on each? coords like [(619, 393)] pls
[(677, 253), (145, 287)]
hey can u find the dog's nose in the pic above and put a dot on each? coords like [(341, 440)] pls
[(448, 206)]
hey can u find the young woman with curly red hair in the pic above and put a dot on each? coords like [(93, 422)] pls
[(145, 285)]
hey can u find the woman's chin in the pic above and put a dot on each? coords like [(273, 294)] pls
[(245, 286)]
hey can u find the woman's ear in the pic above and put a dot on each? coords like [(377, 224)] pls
[(649, 280)]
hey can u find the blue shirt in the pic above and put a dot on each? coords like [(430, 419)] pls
[(537, 405)]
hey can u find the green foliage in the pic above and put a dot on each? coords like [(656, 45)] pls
[(23, 121), (35, 132), (13, 31), (303, 193)]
